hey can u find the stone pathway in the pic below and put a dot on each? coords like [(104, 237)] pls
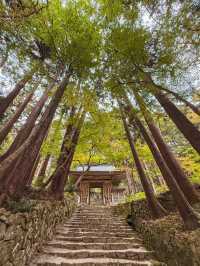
[(94, 236)]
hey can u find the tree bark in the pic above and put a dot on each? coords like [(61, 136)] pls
[(194, 108), (42, 172), (146, 168), (44, 165), (130, 181), (189, 217), (17, 179), (5, 102), (8, 126), (172, 163), (28, 126), (155, 207), (31, 177), (191, 133), (64, 162)]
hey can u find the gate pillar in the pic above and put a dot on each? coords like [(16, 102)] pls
[(84, 193), (107, 192)]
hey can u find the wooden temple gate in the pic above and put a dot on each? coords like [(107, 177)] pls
[(98, 179)]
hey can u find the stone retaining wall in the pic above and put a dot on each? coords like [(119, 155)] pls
[(167, 237), (21, 234)]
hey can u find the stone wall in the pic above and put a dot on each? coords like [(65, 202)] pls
[(167, 237), (170, 242), (139, 209), (21, 234)]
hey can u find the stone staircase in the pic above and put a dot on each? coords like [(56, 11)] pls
[(94, 236)]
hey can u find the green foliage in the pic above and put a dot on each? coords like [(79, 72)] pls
[(135, 197), (102, 140), (141, 195), (24, 205)]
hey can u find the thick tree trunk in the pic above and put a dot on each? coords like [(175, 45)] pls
[(19, 177), (190, 218), (28, 152), (191, 133), (155, 207), (194, 108), (172, 163), (11, 96), (8, 126), (28, 126), (62, 171)]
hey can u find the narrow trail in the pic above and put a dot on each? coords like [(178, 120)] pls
[(94, 236)]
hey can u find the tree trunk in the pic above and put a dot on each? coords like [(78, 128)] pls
[(13, 94), (191, 133), (42, 172), (17, 179), (31, 177), (8, 126), (155, 207), (28, 126), (130, 181), (172, 163), (44, 165), (149, 176), (194, 108), (64, 162), (190, 218)]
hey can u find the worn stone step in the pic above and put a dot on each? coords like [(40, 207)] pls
[(97, 234), (121, 226), (137, 253), (94, 236), (96, 227), (103, 214), (46, 260), (94, 230), (98, 219), (80, 223), (94, 213), (81, 245), (95, 239)]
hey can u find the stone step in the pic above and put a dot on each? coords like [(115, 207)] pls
[(46, 260), (94, 213), (102, 219), (94, 236), (94, 230), (97, 227), (104, 214), (81, 245), (97, 234), (95, 239), (82, 223), (99, 219), (101, 214), (137, 253), (124, 226)]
